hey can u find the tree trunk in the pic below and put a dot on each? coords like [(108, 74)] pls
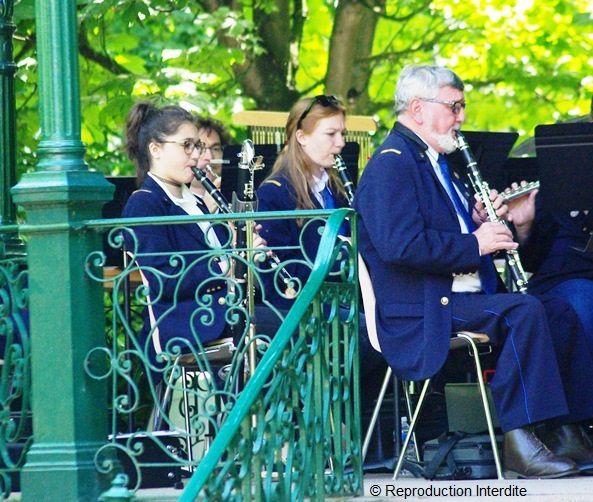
[(266, 77), (348, 71)]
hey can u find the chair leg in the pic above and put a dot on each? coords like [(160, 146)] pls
[(484, 395), (400, 459), (410, 412), (186, 412), (376, 410), (165, 401)]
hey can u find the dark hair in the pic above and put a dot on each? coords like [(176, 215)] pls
[(293, 161), (147, 122), (212, 125)]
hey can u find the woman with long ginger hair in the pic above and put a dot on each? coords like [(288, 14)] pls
[(303, 178)]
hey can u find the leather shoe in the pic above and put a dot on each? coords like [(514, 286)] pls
[(525, 456), (572, 442)]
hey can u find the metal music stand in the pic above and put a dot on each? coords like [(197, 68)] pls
[(565, 158)]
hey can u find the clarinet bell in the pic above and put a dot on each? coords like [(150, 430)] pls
[(290, 292)]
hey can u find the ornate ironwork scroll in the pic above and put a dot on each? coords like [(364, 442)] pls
[(300, 436), (15, 374)]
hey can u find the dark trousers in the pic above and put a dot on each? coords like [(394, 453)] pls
[(579, 294), (544, 368)]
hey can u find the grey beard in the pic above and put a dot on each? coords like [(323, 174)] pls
[(447, 142)]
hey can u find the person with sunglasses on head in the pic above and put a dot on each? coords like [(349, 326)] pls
[(303, 178), (187, 293), (215, 138), (428, 254)]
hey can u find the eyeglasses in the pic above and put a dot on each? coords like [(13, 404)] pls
[(454, 106), (322, 100), (189, 146), (214, 150)]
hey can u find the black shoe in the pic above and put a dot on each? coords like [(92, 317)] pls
[(525, 456), (572, 442)]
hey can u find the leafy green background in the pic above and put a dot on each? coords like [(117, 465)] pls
[(524, 62)]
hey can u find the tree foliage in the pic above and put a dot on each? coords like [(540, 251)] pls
[(525, 63)]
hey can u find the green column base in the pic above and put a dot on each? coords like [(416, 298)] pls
[(66, 320), (62, 468)]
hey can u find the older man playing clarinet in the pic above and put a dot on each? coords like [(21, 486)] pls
[(429, 253)]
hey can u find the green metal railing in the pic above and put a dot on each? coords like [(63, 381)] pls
[(289, 429), (15, 373), (292, 431)]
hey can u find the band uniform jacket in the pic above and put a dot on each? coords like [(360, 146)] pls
[(276, 194), (174, 301), (410, 238)]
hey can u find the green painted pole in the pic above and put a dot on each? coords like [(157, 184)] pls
[(66, 307), (9, 242)]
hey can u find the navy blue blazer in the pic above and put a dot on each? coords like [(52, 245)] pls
[(410, 238), (182, 290), (276, 194), (552, 250)]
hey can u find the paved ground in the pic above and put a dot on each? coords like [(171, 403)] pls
[(382, 487)]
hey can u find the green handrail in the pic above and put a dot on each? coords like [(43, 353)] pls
[(252, 390)]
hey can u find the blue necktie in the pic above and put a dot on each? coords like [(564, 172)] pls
[(487, 271), (328, 199), (329, 202)]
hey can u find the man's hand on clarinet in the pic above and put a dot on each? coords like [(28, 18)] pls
[(480, 214), (493, 237)]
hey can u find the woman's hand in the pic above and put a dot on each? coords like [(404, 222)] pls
[(258, 240), (258, 243)]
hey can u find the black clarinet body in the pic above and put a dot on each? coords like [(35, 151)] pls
[(340, 165), (214, 192), (226, 208), (517, 273)]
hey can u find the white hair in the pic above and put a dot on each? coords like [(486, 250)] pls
[(423, 82)]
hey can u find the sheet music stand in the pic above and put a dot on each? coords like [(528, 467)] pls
[(270, 152), (565, 158), (491, 150), (124, 186)]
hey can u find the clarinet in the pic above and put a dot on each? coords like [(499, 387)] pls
[(518, 276), (214, 192), (511, 194), (226, 208), (340, 165)]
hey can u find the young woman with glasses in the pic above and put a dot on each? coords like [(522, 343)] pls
[(164, 145), (187, 295)]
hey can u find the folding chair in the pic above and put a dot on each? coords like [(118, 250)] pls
[(459, 340), (219, 352)]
